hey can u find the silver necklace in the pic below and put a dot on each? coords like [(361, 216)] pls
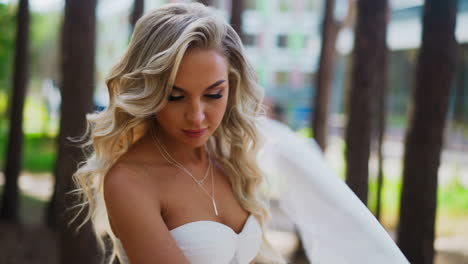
[(175, 163)]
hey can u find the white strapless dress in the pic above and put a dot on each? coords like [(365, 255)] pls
[(209, 242)]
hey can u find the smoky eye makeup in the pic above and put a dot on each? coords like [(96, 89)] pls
[(175, 95), (175, 98), (214, 96), (211, 96)]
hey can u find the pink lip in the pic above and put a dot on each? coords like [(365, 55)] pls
[(195, 133)]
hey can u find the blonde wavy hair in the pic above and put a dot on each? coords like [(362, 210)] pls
[(139, 85)]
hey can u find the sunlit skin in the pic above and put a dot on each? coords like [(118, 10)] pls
[(198, 101)]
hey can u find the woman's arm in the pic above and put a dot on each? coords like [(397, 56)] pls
[(135, 210)]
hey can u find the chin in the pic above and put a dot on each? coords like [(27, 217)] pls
[(196, 142)]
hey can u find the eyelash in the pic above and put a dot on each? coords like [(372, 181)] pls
[(211, 96)]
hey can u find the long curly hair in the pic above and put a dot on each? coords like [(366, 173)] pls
[(139, 85)]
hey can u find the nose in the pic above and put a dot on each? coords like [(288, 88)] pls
[(195, 113)]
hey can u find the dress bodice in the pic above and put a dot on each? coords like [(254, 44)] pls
[(210, 242)]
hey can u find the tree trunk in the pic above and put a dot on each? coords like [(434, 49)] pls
[(380, 124), (78, 55), (237, 7), (330, 29), (434, 73), (137, 12), (369, 47), (10, 201)]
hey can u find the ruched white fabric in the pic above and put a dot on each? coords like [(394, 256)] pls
[(209, 242)]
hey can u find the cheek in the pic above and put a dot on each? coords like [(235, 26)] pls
[(166, 118), (219, 110)]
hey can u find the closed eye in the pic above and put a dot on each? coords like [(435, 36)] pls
[(175, 98), (211, 96), (214, 96)]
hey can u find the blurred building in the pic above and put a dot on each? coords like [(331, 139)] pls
[(282, 39), (283, 42)]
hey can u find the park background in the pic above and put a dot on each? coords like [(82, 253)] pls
[(285, 42)]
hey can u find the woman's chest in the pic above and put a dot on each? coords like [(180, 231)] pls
[(185, 201)]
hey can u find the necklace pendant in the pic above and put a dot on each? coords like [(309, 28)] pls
[(215, 208)]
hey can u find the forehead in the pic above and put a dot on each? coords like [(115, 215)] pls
[(201, 68)]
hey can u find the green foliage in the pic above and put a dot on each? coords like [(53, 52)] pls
[(40, 132), (7, 35), (3, 101), (38, 152), (306, 132), (390, 195), (453, 198)]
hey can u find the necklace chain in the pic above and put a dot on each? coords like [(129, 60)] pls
[(175, 163)]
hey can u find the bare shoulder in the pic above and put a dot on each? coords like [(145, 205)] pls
[(125, 184), (128, 178), (134, 210)]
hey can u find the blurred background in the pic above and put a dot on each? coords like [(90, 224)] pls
[(381, 85)]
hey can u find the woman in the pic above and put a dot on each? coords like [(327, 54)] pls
[(173, 175), (173, 167)]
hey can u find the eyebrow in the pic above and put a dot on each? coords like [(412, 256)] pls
[(209, 87)]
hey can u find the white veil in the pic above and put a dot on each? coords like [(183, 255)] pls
[(334, 225)]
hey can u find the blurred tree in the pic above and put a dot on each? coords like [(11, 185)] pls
[(380, 120), (137, 12), (77, 87), (423, 143), (331, 26), (369, 48), (237, 8), (9, 210), (380, 117), (206, 2)]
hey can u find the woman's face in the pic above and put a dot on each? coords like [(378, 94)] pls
[(196, 106)]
